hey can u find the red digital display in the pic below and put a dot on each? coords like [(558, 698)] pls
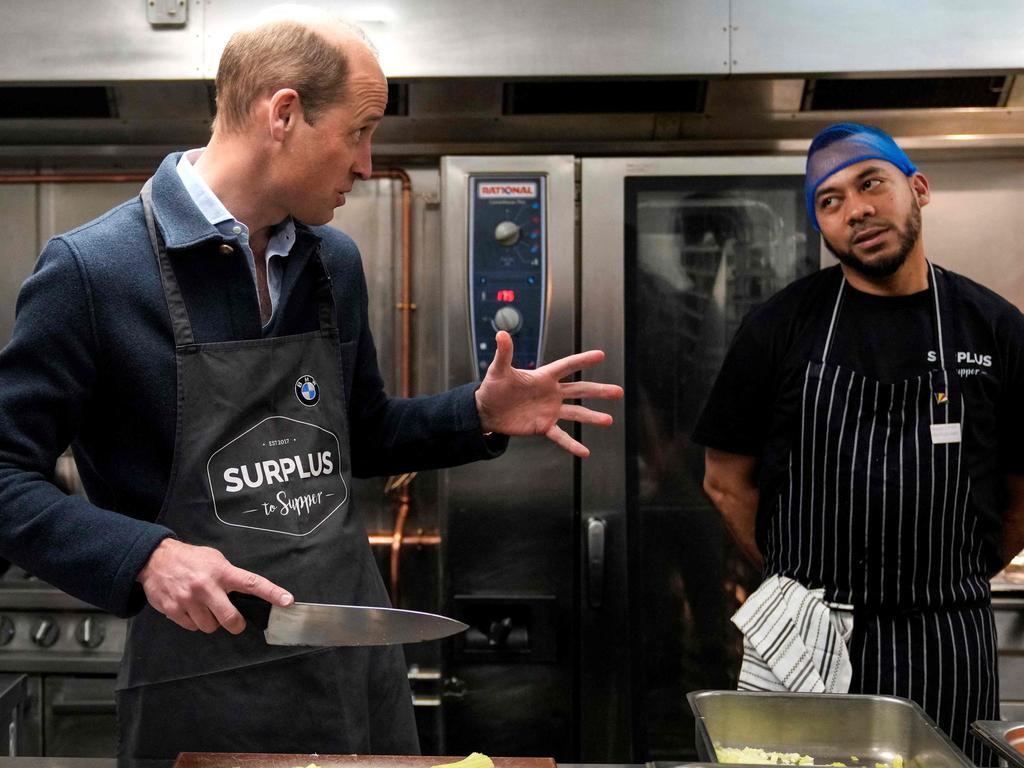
[(506, 295)]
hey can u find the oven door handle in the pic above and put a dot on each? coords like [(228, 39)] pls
[(596, 531), (83, 707)]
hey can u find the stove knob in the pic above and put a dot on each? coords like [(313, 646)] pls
[(45, 632), (6, 630), (508, 319), (90, 632), (507, 233)]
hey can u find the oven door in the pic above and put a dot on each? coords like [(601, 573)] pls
[(79, 718), (674, 253)]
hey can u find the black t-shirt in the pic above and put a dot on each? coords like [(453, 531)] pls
[(886, 338), (754, 405)]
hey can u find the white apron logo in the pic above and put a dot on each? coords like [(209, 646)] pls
[(969, 358), (282, 476), (307, 391), (969, 363)]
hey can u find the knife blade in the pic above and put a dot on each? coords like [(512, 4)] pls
[(320, 624)]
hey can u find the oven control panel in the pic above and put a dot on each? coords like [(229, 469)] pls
[(67, 631), (52, 634), (507, 265)]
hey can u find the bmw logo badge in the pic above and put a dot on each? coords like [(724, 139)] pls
[(307, 391)]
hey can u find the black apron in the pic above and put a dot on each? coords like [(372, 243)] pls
[(262, 472), (877, 509)]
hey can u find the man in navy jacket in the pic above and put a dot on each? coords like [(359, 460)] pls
[(96, 354)]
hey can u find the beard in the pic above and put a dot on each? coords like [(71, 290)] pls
[(907, 235)]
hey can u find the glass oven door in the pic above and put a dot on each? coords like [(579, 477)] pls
[(674, 253)]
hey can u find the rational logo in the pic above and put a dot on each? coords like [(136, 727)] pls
[(307, 391), (507, 189)]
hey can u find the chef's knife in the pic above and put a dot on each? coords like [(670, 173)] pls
[(321, 624)]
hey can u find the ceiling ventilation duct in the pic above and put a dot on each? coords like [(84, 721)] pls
[(56, 102), (847, 94), (593, 97)]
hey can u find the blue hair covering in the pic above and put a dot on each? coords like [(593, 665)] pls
[(844, 144)]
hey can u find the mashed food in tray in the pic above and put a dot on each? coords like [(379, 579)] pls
[(756, 756)]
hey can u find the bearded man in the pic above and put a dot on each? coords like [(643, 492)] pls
[(862, 446)]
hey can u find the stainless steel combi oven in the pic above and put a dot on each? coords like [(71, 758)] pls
[(508, 537), (599, 591)]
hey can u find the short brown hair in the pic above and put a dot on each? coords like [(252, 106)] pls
[(283, 54)]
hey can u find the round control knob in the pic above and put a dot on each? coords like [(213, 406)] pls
[(507, 233), (508, 319), (6, 630), (45, 632), (90, 632)]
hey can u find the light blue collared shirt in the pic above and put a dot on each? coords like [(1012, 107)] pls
[(281, 240)]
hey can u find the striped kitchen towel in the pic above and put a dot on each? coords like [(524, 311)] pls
[(793, 640)]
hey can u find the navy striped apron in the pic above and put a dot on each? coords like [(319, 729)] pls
[(877, 510)]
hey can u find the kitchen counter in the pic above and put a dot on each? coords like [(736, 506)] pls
[(100, 762), (258, 760)]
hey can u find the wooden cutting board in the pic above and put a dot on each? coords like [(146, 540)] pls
[(258, 760)]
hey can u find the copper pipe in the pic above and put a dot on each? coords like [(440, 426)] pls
[(412, 540), (396, 545), (406, 307)]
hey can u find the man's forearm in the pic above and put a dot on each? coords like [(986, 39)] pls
[(739, 511), (730, 481)]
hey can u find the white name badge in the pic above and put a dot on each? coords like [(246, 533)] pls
[(946, 433)]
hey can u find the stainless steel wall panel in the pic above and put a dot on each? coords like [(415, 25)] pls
[(65, 206), (808, 36), (372, 217), (99, 40), (427, 279), (528, 38), (111, 40), (369, 218), (20, 248), (973, 224), (37, 137)]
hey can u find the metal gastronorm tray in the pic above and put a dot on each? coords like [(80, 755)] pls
[(1005, 737), (828, 727)]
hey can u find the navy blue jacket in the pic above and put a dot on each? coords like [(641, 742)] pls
[(91, 364)]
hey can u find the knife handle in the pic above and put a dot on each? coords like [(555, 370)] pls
[(256, 610)]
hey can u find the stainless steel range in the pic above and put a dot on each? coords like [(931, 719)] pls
[(70, 651)]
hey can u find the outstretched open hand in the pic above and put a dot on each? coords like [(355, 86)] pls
[(514, 401)]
